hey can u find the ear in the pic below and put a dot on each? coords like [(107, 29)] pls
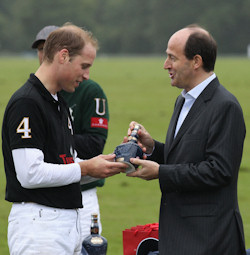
[(197, 61), (63, 56)]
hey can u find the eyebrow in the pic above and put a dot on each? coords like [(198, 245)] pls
[(86, 65)]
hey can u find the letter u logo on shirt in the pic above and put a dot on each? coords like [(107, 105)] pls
[(97, 106)]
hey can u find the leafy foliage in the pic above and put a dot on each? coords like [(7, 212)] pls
[(126, 26)]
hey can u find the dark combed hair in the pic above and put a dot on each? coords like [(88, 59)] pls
[(203, 44)]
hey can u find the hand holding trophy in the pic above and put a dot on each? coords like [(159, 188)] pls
[(129, 150)]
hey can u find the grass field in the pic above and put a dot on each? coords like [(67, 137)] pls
[(137, 89)]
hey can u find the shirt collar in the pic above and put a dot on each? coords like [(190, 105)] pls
[(55, 97), (196, 91), (42, 90)]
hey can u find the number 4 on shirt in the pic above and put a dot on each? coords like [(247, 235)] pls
[(23, 127)]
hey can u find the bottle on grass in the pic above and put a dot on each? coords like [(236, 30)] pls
[(94, 244)]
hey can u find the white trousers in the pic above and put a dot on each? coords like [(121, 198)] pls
[(90, 205), (37, 229)]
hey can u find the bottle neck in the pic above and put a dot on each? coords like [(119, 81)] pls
[(94, 230), (94, 224), (132, 139), (134, 134)]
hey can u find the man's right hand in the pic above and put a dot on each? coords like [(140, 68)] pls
[(102, 166), (145, 140)]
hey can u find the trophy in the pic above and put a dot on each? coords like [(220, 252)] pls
[(129, 150)]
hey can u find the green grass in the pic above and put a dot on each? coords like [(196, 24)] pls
[(137, 89)]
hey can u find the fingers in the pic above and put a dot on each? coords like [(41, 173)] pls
[(125, 139), (102, 166), (137, 173), (110, 169), (136, 161), (118, 167), (131, 127), (148, 170), (144, 149), (113, 168), (134, 174), (109, 157), (132, 124)]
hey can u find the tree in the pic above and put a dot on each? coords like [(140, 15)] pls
[(127, 26)]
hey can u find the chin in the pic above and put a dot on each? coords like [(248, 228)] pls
[(173, 84), (70, 90)]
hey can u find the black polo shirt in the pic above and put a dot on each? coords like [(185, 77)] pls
[(34, 119)]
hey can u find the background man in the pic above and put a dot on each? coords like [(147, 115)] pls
[(89, 109), (42, 170), (199, 163)]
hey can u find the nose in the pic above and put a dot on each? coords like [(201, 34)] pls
[(166, 64), (86, 74)]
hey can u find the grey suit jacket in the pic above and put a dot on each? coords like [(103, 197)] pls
[(198, 174)]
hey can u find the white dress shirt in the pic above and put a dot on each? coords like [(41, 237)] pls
[(190, 98)]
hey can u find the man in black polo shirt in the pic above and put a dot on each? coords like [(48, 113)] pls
[(90, 113), (42, 170)]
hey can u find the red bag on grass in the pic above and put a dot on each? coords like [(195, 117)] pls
[(135, 235)]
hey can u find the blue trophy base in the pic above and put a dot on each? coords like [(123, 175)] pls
[(126, 151)]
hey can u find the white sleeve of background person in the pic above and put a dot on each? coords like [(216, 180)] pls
[(32, 172), (86, 179)]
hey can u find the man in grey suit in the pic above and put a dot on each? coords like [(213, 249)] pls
[(198, 165)]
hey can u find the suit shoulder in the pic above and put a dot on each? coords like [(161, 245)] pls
[(225, 95)]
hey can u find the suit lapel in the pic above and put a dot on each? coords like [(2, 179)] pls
[(171, 130), (197, 108), (193, 114)]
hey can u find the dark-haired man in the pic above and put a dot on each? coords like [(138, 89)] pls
[(198, 165)]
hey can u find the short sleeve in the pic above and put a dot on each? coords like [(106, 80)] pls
[(26, 126)]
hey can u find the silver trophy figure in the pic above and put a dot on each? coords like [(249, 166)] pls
[(129, 150)]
